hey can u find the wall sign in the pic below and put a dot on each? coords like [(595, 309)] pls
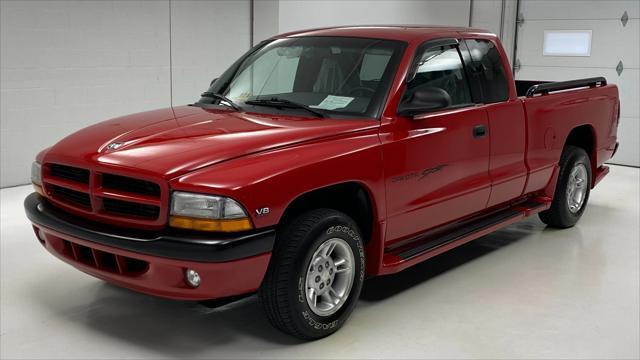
[(567, 43)]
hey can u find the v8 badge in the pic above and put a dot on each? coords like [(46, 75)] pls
[(262, 211)]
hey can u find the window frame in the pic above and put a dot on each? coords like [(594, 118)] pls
[(428, 45)]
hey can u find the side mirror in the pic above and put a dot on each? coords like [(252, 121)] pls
[(213, 81), (424, 99)]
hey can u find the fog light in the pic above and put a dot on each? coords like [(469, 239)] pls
[(193, 278)]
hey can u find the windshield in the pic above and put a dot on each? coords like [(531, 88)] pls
[(333, 76)]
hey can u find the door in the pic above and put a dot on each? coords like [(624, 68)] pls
[(436, 163), (488, 72), (613, 51)]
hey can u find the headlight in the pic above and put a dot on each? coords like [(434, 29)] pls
[(36, 173), (36, 177), (207, 213)]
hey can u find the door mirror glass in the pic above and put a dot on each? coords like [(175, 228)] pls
[(424, 99)]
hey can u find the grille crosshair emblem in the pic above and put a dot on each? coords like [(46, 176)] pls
[(114, 145)]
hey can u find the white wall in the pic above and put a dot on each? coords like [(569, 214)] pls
[(265, 19), (206, 38), (68, 64), (611, 42), (64, 65), (497, 16), (304, 14), (273, 17)]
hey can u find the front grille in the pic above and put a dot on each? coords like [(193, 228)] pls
[(101, 260), (124, 183), (115, 199), (130, 208), (70, 173), (71, 196)]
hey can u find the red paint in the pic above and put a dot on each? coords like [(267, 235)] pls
[(270, 160), (462, 186), (165, 277)]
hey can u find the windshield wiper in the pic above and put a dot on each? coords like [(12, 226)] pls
[(282, 103), (222, 98)]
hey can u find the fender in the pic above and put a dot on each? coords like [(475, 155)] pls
[(274, 179)]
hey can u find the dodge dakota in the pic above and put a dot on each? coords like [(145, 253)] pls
[(318, 159)]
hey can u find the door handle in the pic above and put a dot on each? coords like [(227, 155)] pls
[(479, 131)]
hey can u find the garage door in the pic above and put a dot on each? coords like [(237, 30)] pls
[(614, 27)]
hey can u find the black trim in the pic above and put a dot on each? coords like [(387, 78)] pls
[(69, 172), (216, 303), (615, 149), (479, 131), (566, 85), (192, 247), (131, 185), (427, 243), (522, 86), (475, 85)]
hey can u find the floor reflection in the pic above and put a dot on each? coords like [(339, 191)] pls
[(383, 287)]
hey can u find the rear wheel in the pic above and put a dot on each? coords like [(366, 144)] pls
[(315, 275), (572, 190)]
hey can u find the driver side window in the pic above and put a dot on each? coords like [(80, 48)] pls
[(441, 68)]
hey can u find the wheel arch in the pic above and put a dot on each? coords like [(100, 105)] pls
[(584, 137), (352, 198)]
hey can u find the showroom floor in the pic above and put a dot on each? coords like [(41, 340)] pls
[(524, 291)]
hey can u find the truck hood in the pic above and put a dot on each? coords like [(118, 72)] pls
[(173, 141)]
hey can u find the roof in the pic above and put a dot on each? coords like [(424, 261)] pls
[(391, 32)]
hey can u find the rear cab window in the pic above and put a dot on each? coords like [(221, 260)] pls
[(486, 70)]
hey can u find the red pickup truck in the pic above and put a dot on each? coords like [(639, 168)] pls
[(320, 158)]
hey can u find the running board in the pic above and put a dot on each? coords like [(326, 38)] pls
[(417, 248)]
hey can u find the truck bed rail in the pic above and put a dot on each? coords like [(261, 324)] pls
[(548, 87)]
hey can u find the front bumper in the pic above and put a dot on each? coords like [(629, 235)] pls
[(154, 264)]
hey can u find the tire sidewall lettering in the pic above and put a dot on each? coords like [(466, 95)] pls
[(317, 324), (353, 238), (354, 235)]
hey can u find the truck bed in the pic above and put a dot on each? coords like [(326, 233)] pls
[(553, 110)]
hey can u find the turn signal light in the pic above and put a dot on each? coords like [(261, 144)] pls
[(223, 225), (38, 189)]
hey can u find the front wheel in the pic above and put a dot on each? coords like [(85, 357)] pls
[(315, 274), (572, 190)]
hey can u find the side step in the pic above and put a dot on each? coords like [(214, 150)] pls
[(460, 232)]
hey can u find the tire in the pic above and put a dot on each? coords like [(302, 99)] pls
[(284, 290), (566, 207)]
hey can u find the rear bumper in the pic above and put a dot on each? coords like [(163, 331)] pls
[(156, 265)]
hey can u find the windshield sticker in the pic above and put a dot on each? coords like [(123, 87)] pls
[(333, 102), (244, 96)]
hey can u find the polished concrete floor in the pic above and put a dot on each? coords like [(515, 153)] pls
[(522, 292)]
